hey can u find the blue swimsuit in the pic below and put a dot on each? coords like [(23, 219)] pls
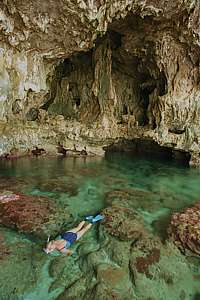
[(69, 237)]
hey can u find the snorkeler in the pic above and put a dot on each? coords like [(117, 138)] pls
[(69, 237)]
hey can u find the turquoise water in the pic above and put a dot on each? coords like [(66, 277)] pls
[(85, 186)]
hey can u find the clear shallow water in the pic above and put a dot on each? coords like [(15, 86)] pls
[(89, 183)]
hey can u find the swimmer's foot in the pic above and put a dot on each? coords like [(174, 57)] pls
[(97, 218), (89, 218)]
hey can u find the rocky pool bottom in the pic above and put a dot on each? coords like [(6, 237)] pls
[(127, 256)]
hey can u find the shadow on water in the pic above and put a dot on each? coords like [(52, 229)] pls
[(149, 150)]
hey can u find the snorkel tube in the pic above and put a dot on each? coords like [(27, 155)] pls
[(45, 249), (48, 238)]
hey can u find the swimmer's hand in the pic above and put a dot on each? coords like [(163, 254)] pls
[(66, 251), (47, 251)]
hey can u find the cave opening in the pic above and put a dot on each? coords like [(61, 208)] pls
[(150, 150)]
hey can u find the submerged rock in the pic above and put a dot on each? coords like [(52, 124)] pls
[(143, 262), (4, 249), (144, 254), (59, 270), (21, 264), (123, 223), (58, 186), (113, 283), (184, 229), (17, 184), (154, 269), (133, 198), (32, 214)]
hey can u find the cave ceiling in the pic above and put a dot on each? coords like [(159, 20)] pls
[(117, 68)]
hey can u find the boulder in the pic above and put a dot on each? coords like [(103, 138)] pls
[(144, 254), (153, 267), (123, 223), (133, 198), (184, 229), (58, 186), (17, 184), (143, 263), (31, 214), (109, 282), (113, 283)]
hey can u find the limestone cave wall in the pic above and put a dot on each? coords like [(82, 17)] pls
[(94, 72)]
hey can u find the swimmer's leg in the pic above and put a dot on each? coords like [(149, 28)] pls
[(78, 228), (83, 231)]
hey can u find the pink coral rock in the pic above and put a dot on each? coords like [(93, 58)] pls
[(123, 223), (31, 214), (184, 229)]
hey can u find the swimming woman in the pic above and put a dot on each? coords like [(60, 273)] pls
[(67, 239)]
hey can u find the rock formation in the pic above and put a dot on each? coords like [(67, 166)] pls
[(95, 71), (184, 229), (31, 214)]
